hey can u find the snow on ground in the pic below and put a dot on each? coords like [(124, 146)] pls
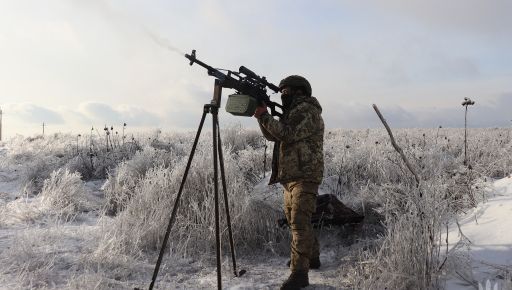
[(488, 232), (267, 271)]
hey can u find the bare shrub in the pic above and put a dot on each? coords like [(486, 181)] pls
[(64, 194)]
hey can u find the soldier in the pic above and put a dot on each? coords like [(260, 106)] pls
[(298, 164)]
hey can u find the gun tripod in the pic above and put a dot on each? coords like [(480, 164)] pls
[(212, 108)]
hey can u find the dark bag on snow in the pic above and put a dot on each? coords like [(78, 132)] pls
[(330, 211)]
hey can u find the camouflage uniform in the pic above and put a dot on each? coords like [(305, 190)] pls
[(298, 165)]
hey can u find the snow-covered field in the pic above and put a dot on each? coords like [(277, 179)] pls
[(74, 220), (40, 252)]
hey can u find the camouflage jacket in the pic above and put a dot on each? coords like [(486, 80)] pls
[(299, 137)]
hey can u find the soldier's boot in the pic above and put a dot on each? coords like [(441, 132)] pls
[(314, 263), (296, 281)]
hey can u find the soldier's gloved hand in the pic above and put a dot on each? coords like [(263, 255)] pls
[(260, 111)]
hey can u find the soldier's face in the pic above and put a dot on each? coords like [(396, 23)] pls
[(286, 96), (286, 91)]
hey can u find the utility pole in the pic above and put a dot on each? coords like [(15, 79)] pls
[(43, 128)]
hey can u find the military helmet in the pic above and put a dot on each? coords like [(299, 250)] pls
[(296, 81)]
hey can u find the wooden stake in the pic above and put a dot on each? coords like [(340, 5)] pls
[(397, 148)]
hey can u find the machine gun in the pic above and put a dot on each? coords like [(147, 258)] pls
[(251, 89)]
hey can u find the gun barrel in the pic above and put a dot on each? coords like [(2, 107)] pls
[(211, 71), (193, 60)]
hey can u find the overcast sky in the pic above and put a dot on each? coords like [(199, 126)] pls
[(74, 64)]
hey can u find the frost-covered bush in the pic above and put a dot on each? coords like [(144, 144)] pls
[(122, 181), (238, 138), (250, 162), (36, 171), (408, 256), (36, 157), (361, 164), (22, 149), (140, 226), (21, 211), (356, 158), (82, 164), (33, 266), (64, 194)]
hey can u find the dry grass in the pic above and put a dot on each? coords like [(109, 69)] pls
[(361, 168), (138, 227), (64, 194), (365, 169)]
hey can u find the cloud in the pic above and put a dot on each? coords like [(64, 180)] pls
[(103, 113), (494, 114), (357, 115), (482, 115), (31, 113)]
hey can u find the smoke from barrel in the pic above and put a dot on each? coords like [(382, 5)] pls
[(162, 42)]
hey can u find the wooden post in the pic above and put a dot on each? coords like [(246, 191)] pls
[(43, 128), (397, 148), (467, 102), (466, 136)]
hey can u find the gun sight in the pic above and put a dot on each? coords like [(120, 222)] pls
[(262, 80)]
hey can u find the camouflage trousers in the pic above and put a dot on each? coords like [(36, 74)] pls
[(299, 206)]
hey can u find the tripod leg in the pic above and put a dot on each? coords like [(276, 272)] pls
[(226, 204), (175, 207), (216, 188)]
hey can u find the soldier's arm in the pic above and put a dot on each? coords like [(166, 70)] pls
[(266, 134), (301, 124)]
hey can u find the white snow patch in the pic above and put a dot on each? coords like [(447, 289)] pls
[(488, 228)]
